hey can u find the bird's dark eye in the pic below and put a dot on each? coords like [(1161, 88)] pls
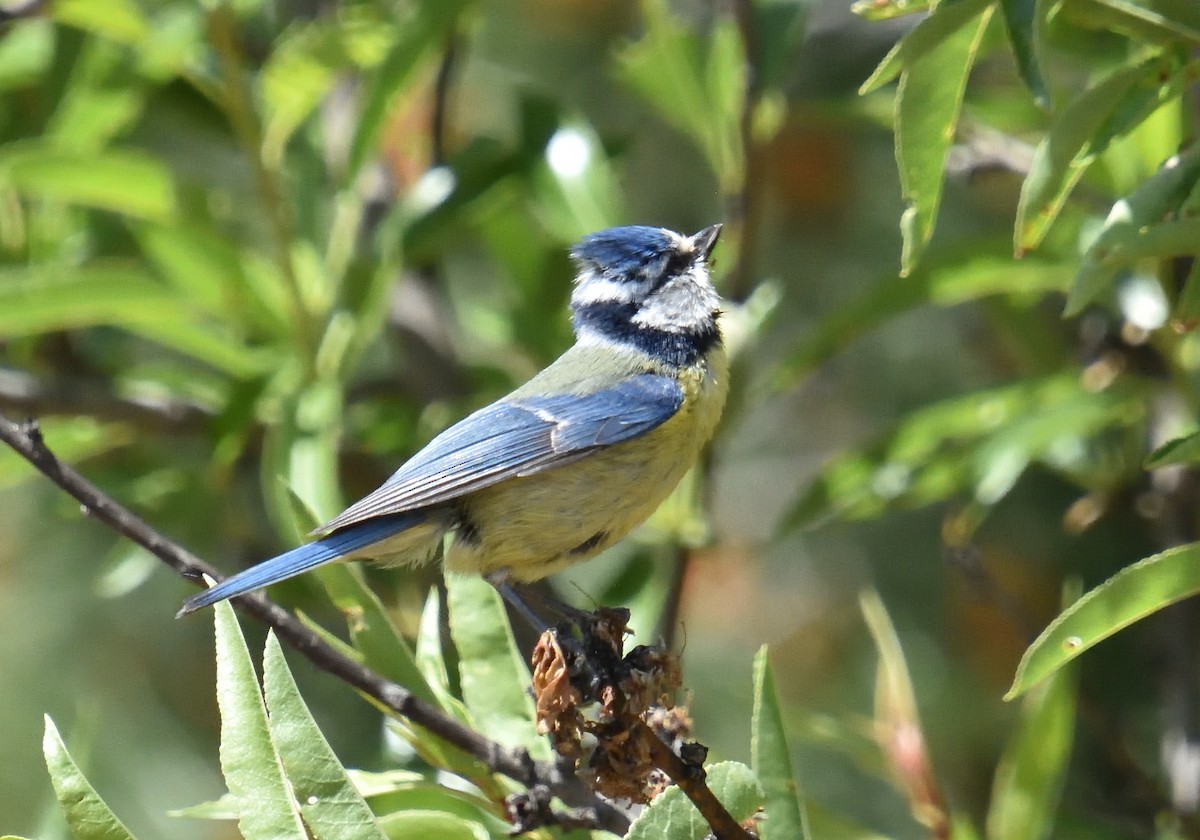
[(676, 264)]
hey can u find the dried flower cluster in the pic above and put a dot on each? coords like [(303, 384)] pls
[(591, 697)]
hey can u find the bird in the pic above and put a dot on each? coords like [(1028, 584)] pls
[(573, 460)]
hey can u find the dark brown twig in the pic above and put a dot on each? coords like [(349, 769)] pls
[(25, 439), (689, 776), (744, 204)]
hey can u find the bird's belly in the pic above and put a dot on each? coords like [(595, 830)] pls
[(536, 525)]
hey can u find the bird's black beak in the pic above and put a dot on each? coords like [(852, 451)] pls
[(706, 240)]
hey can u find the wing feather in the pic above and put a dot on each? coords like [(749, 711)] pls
[(519, 437)]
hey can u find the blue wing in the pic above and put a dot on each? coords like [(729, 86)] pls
[(519, 437), (299, 560)]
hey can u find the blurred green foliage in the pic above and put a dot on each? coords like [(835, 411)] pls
[(254, 252)]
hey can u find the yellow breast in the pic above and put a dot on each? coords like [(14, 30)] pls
[(536, 525)]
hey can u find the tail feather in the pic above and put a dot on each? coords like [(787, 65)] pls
[(301, 559)]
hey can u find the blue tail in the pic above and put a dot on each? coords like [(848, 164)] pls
[(299, 560)]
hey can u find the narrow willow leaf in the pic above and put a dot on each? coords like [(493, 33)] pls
[(375, 636), (979, 442), (1021, 21), (432, 660), (1132, 594), (121, 180), (772, 760), (1077, 136), (199, 263), (694, 83), (47, 298), (897, 724), (249, 761), (960, 281), (1154, 21), (427, 30), (26, 51), (877, 10), (424, 825), (332, 807), (672, 816), (927, 107), (430, 796), (306, 63), (117, 20), (87, 814), (1173, 238), (1126, 232), (495, 678), (224, 808), (926, 36), (1029, 779)]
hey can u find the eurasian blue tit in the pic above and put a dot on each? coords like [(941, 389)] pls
[(573, 460)]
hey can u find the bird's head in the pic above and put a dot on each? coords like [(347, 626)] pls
[(648, 288)]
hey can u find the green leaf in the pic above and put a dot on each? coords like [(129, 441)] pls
[(1083, 130), (1187, 306), (48, 298), (495, 678), (426, 31), (249, 761), (672, 816), (432, 796), (306, 63), (432, 660), (224, 808), (695, 84), (945, 22), (578, 184), (957, 282), (117, 20), (422, 825), (1174, 238), (772, 760), (981, 442), (121, 180), (928, 102), (1021, 21), (877, 10), (375, 636), (331, 806), (1029, 779), (87, 814), (1154, 21), (1134, 226), (199, 263), (1184, 450), (26, 52), (1132, 594)]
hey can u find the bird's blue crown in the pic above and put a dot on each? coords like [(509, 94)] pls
[(647, 288)]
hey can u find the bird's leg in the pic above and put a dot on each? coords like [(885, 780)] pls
[(508, 591), (519, 597)]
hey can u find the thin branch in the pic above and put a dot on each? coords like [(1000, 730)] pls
[(25, 439), (25, 395), (688, 774), (744, 205)]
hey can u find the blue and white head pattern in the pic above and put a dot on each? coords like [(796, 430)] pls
[(648, 288)]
